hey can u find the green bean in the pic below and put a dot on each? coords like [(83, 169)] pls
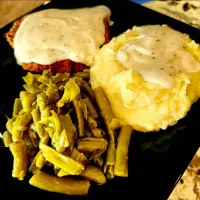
[(97, 132), (91, 144), (40, 162), (79, 115), (67, 124), (45, 139), (108, 116), (19, 152), (33, 137), (84, 109), (110, 160), (17, 135), (74, 154), (79, 157), (36, 115), (57, 125), (36, 167), (31, 79), (56, 170), (110, 172), (7, 138), (93, 174), (40, 130), (92, 110), (27, 99), (9, 124), (45, 114), (97, 153), (63, 162), (62, 173), (41, 101), (121, 165), (71, 90), (114, 124), (27, 142), (60, 185), (22, 120), (17, 107), (86, 70), (59, 77), (52, 92), (43, 87), (32, 88), (92, 124), (99, 161), (44, 78), (105, 109), (62, 142), (85, 86), (83, 75), (50, 131), (87, 133)]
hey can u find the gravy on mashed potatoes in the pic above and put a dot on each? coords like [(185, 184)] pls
[(150, 75)]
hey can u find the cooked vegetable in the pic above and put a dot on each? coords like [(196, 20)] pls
[(121, 165), (110, 161), (62, 142), (94, 174), (99, 161), (79, 115), (108, 116), (104, 107), (91, 144), (31, 79), (27, 99), (79, 157), (7, 138), (92, 110), (67, 124), (41, 101), (37, 163), (22, 120), (60, 185), (92, 124), (36, 115), (97, 132), (70, 93), (65, 163), (45, 139), (33, 137), (85, 86), (17, 107), (9, 125), (56, 124), (17, 135), (40, 129), (84, 75), (19, 152)]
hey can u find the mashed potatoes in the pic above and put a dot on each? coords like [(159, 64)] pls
[(151, 76)]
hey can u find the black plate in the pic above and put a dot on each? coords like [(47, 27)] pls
[(156, 160)]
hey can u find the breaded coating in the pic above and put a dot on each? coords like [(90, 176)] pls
[(60, 66)]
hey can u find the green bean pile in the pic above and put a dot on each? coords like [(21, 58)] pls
[(59, 123)]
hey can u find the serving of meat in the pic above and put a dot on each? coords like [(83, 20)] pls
[(60, 66)]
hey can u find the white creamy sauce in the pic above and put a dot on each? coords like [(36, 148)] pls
[(157, 53), (53, 35)]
